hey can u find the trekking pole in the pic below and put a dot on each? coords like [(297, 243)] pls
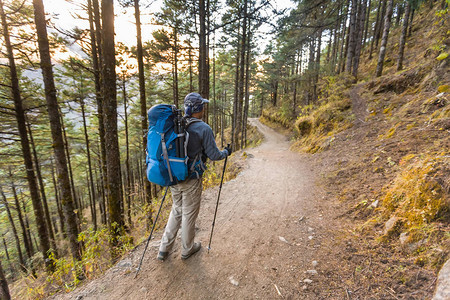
[(151, 232), (217, 204)]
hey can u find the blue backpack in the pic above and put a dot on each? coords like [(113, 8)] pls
[(167, 140)]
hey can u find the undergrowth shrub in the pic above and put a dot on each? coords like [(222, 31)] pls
[(68, 274), (276, 116), (316, 124)]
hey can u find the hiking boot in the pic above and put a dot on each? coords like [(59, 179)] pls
[(162, 255), (194, 250)]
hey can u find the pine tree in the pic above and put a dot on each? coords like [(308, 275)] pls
[(54, 116), (384, 39), (25, 145), (401, 48), (142, 96), (110, 119)]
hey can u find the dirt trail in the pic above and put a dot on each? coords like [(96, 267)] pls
[(272, 197)]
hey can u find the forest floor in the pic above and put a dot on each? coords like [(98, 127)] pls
[(281, 232)]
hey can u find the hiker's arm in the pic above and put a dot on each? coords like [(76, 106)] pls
[(209, 144)]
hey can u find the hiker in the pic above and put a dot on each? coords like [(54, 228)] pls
[(186, 195)]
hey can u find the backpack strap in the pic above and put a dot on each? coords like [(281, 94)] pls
[(190, 120), (198, 157), (192, 170), (166, 155)]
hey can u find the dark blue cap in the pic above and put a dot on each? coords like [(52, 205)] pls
[(193, 103)]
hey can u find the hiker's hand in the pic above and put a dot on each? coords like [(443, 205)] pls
[(228, 148)]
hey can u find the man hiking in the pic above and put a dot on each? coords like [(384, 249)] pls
[(186, 195)]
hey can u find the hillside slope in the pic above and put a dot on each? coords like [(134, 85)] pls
[(383, 148)]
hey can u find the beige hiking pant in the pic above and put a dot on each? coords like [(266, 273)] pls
[(186, 198)]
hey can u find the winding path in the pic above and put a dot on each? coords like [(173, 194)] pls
[(267, 230)]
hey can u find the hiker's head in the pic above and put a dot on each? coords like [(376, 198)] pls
[(193, 105)]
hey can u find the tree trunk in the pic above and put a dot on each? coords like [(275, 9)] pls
[(6, 249), (311, 70), (42, 189), (343, 39), (317, 65), (127, 159), (93, 11), (203, 82), (384, 40), (55, 124), (13, 227), (332, 33), (111, 137), (142, 98), (399, 13), (381, 24), (366, 29), (347, 40), (359, 37), (235, 120), (4, 290), (335, 44), (25, 145), (411, 22), (58, 204), (191, 86), (21, 221), (247, 88), (77, 204), (239, 122), (27, 225), (11, 268), (90, 195), (101, 122), (101, 191), (297, 67), (353, 33), (91, 177), (375, 29), (401, 48), (275, 93)]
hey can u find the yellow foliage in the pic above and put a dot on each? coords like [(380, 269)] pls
[(388, 110), (411, 126), (316, 125), (406, 158), (442, 56), (389, 133), (275, 116), (417, 194), (443, 88)]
